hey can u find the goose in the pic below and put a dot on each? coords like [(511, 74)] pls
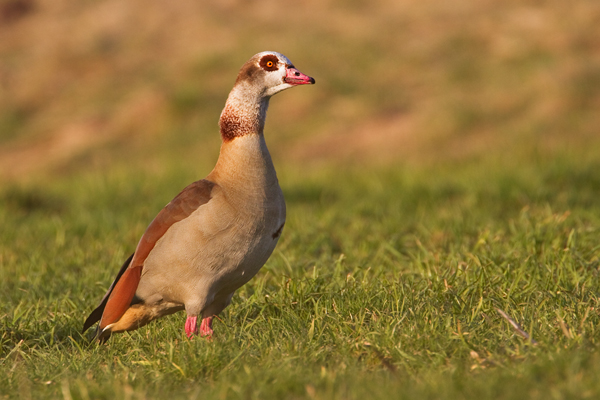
[(216, 234)]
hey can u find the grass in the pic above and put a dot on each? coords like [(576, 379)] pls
[(443, 169), (506, 73), (386, 284)]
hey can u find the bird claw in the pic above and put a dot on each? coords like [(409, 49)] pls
[(206, 327), (191, 327)]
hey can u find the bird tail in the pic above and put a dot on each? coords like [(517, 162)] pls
[(96, 315)]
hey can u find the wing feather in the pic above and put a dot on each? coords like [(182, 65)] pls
[(121, 293)]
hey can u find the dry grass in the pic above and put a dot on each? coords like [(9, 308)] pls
[(415, 80)]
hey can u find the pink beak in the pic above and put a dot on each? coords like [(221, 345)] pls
[(295, 77)]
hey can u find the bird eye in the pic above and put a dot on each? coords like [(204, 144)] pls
[(268, 62)]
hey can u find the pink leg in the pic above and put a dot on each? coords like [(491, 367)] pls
[(206, 327), (191, 326)]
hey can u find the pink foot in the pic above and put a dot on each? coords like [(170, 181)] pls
[(191, 326), (206, 327)]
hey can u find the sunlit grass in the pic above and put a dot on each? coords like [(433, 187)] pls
[(386, 283), (481, 194)]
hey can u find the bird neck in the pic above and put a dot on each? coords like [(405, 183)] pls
[(244, 113), (244, 167), (244, 156)]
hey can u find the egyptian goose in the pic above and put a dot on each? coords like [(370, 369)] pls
[(218, 232)]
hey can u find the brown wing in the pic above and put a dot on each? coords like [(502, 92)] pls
[(123, 290)]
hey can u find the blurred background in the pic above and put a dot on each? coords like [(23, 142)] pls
[(93, 84)]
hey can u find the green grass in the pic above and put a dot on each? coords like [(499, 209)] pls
[(385, 284), (388, 279)]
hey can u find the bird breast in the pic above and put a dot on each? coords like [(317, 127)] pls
[(223, 243)]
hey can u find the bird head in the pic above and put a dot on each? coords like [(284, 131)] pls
[(271, 72)]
